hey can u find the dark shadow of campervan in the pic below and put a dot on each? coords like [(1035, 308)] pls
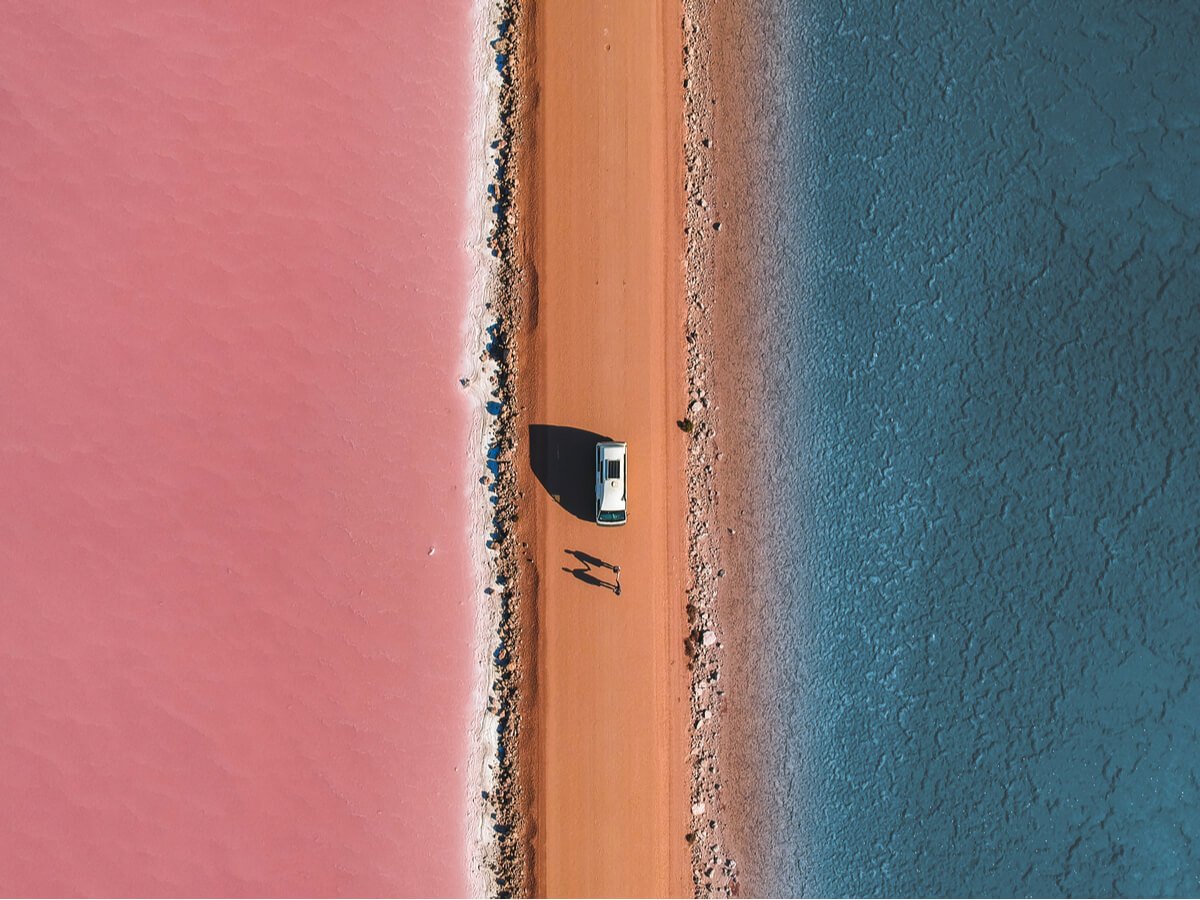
[(563, 459)]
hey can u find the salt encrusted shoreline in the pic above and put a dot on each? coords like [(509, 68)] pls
[(714, 870), (501, 860), (480, 384)]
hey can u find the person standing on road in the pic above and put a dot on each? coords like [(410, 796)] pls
[(617, 572)]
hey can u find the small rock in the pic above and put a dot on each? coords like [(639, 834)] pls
[(708, 638), (698, 809)]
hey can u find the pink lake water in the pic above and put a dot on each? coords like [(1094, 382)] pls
[(231, 303)]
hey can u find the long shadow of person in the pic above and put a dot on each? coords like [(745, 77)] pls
[(588, 560), (585, 575), (587, 578)]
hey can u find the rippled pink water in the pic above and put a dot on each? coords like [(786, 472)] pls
[(231, 295)]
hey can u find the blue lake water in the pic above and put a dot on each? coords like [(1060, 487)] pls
[(987, 558)]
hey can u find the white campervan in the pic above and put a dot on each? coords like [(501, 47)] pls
[(611, 479)]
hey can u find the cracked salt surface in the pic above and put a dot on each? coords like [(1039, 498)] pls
[(988, 384)]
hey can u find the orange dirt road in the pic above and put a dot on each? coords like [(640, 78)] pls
[(611, 776)]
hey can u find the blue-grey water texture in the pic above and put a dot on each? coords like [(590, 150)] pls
[(989, 569)]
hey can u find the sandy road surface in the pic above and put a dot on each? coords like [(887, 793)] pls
[(611, 771)]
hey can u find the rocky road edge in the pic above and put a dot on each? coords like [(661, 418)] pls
[(507, 858), (714, 871)]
